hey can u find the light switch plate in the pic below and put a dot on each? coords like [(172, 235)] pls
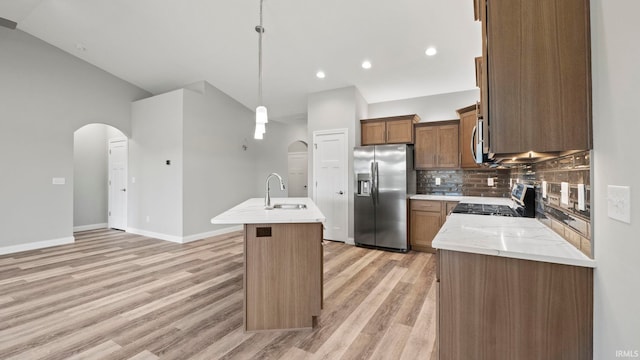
[(437, 181), (619, 203), (58, 181), (490, 181)]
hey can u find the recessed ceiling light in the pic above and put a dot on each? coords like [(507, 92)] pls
[(320, 74), (431, 51), (366, 64)]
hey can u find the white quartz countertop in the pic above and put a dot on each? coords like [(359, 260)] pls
[(252, 211), (520, 238)]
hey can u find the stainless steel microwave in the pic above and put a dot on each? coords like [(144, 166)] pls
[(480, 140)]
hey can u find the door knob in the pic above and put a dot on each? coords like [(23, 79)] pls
[(340, 192), (123, 189)]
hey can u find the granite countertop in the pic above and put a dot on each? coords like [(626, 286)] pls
[(520, 238), (252, 211)]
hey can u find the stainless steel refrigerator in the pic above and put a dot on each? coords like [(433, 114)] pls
[(385, 178)]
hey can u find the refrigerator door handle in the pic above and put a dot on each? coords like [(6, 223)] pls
[(374, 176), (373, 183)]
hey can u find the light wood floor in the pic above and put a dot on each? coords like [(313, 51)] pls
[(113, 295)]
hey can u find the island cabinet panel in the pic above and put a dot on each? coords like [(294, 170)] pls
[(492, 307), (283, 275)]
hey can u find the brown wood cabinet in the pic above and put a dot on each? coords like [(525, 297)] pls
[(426, 219), (282, 275), (437, 145), (536, 75), (389, 130), (491, 307), (468, 116)]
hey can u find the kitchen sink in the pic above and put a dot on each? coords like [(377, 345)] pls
[(290, 206)]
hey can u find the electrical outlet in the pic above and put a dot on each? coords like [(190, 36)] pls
[(619, 203), (490, 182), (58, 181), (437, 181)]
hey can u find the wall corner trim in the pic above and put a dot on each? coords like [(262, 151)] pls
[(350, 241), (36, 245)]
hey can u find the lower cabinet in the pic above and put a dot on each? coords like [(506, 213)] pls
[(492, 307), (426, 219)]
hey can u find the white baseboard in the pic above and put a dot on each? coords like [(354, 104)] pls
[(204, 235), (36, 245), (90, 227), (151, 234), (184, 239), (350, 241)]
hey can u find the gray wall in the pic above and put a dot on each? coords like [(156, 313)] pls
[(429, 108), (616, 87), (272, 154), (156, 137), (336, 109), (218, 172), (46, 95), (90, 174), (202, 131)]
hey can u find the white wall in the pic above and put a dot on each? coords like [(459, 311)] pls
[(429, 108), (218, 172), (156, 137), (46, 95), (336, 109), (616, 90)]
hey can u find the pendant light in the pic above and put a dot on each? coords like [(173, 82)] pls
[(261, 111)]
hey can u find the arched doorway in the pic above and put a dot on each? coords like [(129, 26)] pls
[(99, 178), (297, 169)]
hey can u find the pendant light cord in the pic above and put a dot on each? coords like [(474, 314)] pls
[(260, 30)]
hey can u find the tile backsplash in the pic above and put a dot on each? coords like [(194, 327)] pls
[(464, 182), (566, 219)]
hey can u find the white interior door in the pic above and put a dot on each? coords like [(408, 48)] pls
[(298, 174), (118, 156), (330, 181)]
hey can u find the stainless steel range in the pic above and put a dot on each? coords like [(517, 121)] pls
[(485, 209), (523, 197)]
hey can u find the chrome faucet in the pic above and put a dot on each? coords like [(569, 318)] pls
[(267, 197)]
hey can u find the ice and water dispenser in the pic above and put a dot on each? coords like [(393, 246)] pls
[(364, 185)]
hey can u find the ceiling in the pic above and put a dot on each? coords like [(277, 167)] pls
[(162, 45)]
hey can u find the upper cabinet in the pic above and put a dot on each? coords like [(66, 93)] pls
[(535, 75), (468, 117), (437, 145), (389, 130)]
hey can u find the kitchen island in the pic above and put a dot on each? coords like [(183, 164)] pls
[(511, 288), (282, 262)]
